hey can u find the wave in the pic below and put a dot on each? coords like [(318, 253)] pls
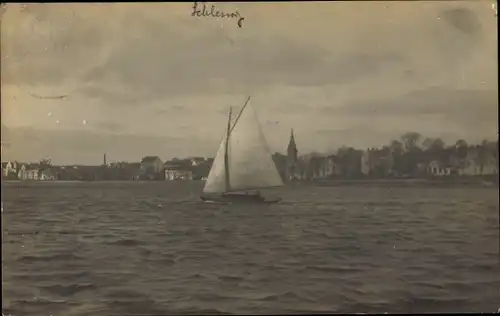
[(49, 258), (392, 251), (49, 276), (125, 242), (67, 290)]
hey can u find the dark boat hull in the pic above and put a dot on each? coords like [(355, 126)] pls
[(239, 199)]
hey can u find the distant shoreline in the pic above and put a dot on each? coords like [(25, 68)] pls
[(416, 182)]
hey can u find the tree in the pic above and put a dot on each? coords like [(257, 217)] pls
[(434, 149), (461, 149), (411, 160), (482, 155), (349, 160), (461, 143), (434, 144), (397, 148), (412, 153), (494, 148), (410, 140), (427, 143), (396, 145), (45, 162)]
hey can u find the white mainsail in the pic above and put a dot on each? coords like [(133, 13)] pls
[(250, 163)]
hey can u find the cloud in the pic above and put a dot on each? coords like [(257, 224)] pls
[(151, 58), (476, 106), (40, 43), (468, 114), (153, 70), (82, 147), (330, 139), (463, 19)]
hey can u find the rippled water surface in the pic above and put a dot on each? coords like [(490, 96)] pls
[(152, 248)]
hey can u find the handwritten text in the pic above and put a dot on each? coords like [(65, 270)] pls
[(203, 11)]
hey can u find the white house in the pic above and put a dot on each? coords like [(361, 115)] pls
[(46, 175), (10, 168), (177, 172), (21, 174), (435, 168)]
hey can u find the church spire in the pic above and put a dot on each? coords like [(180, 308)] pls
[(292, 147), (292, 158)]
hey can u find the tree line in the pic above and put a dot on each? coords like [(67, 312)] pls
[(407, 156)]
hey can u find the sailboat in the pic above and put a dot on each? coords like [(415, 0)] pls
[(243, 164)]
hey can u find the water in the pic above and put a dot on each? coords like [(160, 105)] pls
[(152, 248)]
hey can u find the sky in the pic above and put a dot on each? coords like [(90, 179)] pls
[(150, 79)]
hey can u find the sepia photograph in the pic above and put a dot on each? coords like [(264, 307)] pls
[(293, 157)]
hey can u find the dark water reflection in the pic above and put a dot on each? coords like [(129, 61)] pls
[(138, 248)]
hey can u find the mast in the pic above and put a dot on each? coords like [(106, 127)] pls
[(226, 156), (239, 114), (226, 150)]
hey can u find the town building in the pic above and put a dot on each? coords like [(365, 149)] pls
[(438, 168), (35, 172), (292, 161), (151, 168), (10, 168), (22, 172), (377, 162), (329, 167), (151, 164), (176, 171), (349, 162), (46, 175)]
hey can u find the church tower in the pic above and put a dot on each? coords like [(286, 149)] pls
[(291, 158)]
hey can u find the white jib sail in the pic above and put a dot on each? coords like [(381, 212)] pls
[(250, 163), (215, 182)]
